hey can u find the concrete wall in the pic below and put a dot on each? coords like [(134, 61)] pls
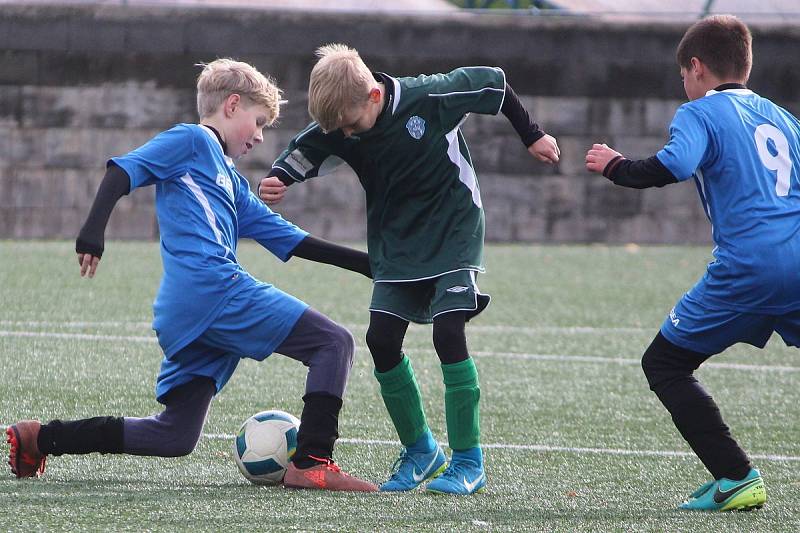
[(80, 84)]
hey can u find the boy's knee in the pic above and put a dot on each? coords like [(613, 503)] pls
[(663, 362), (379, 342), (344, 343), (182, 445)]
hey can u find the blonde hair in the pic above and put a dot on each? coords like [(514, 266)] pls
[(224, 77), (339, 81)]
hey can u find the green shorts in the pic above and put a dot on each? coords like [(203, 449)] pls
[(422, 301)]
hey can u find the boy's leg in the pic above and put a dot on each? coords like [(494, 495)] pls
[(327, 349), (669, 370), (176, 430), (421, 457), (465, 475), (173, 432)]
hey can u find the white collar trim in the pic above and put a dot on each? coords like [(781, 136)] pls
[(730, 91)]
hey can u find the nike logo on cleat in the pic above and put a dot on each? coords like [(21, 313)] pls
[(471, 486), (722, 495), (419, 477)]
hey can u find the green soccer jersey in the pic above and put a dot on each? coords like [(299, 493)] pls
[(424, 210)]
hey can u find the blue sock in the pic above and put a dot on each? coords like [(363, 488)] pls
[(474, 455), (426, 443)]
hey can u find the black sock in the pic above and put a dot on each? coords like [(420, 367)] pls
[(319, 428), (101, 434)]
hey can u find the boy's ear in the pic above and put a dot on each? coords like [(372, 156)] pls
[(375, 95), (698, 68), (231, 103)]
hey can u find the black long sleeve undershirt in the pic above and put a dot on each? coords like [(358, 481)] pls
[(323, 251), (638, 174), (528, 131), (115, 185)]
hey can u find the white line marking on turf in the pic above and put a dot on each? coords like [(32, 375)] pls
[(476, 328), (533, 448), (479, 354)]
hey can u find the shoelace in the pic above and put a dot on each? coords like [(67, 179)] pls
[(457, 469), (404, 455), (329, 464)]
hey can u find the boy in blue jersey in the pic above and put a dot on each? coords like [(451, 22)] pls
[(210, 312), (742, 151)]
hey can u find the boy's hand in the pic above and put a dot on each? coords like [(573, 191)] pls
[(545, 149), (271, 190), (598, 156), (88, 263)]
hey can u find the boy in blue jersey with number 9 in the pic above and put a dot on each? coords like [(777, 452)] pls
[(210, 312), (742, 151)]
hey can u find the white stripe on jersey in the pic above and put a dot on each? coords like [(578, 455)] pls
[(201, 197), (465, 172), (471, 92), (397, 91)]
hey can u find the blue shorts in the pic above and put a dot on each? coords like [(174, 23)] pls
[(696, 326), (252, 325)]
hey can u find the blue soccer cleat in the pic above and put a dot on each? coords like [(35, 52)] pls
[(465, 474), (727, 495), (421, 461)]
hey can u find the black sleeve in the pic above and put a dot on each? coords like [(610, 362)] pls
[(639, 174), (322, 251), (527, 130), (282, 175), (114, 186)]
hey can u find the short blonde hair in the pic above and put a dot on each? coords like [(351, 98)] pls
[(339, 81), (224, 77)]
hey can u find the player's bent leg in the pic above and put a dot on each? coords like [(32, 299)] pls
[(669, 371), (726, 494), (24, 456), (419, 462), (327, 349), (175, 431)]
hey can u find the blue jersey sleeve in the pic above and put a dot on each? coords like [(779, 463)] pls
[(164, 157), (689, 142), (260, 223)]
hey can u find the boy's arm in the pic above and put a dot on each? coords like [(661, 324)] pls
[(540, 145), (637, 174), (323, 251), (91, 239), (310, 154)]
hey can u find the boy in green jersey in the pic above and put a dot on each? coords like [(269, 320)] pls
[(425, 228)]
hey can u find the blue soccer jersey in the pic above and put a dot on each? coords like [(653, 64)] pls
[(743, 152), (203, 207)]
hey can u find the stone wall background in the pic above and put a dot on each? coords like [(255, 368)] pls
[(79, 84)]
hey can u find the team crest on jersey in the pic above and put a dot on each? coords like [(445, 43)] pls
[(416, 127), (225, 182)]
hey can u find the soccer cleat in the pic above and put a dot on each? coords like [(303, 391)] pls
[(24, 457), (464, 475), (727, 495), (413, 467), (325, 476)]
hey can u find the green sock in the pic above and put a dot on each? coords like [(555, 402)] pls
[(461, 396), (401, 395)]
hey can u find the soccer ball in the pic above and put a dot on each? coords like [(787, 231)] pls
[(264, 445)]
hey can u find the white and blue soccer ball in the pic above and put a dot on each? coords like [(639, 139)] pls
[(264, 445)]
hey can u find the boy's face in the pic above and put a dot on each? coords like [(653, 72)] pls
[(245, 126), (359, 119)]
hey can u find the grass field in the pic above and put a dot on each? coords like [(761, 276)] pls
[(574, 439)]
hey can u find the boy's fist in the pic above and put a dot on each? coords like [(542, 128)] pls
[(545, 149), (271, 190), (598, 156)]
